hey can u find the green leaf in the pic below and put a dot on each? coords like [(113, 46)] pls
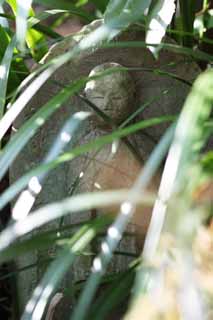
[(43, 240), (195, 53), (70, 205), (190, 136), (203, 22), (20, 139), (37, 18), (121, 13), (187, 14), (4, 73), (13, 5), (112, 239), (17, 64), (207, 163), (209, 19), (59, 267), (101, 4), (113, 296), (159, 17), (3, 20), (96, 144), (66, 5), (23, 9), (34, 39), (23, 205), (92, 40), (5, 39), (30, 127)]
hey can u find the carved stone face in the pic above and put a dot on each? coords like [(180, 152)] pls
[(113, 93)]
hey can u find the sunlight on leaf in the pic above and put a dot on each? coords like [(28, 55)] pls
[(159, 17), (36, 305), (4, 73), (187, 143), (116, 230), (96, 144), (90, 41), (23, 8), (67, 206), (121, 13), (27, 198), (30, 127)]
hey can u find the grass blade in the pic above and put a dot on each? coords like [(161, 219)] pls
[(113, 296), (30, 127), (116, 230), (93, 39), (19, 185), (4, 73), (36, 305), (195, 53), (121, 13), (188, 140), (27, 198), (159, 17), (3, 20), (67, 5), (189, 133), (23, 9), (32, 21), (68, 206), (187, 13)]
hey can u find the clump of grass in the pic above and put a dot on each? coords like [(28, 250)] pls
[(177, 243)]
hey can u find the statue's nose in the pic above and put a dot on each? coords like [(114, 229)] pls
[(106, 100)]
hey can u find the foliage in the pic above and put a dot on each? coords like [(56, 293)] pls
[(181, 208)]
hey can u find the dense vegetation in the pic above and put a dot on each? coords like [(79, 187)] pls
[(173, 276)]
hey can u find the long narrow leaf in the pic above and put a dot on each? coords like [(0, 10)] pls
[(159, 17), (32, 21), (36, 305), (4, 73), (195, 53), (23, 8), (188, 141), (68, 206), (67, 5), (116, 230), (92, 40), (27, 198), (19, 185), (187, 15), (121, 13), (30, 127), (3, 20)]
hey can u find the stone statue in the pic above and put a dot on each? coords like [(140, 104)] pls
[(118, 95)]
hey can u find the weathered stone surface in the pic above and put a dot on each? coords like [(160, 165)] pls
[(114, 94), (103, 169)]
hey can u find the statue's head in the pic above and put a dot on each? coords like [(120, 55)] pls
[(114, 93)]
